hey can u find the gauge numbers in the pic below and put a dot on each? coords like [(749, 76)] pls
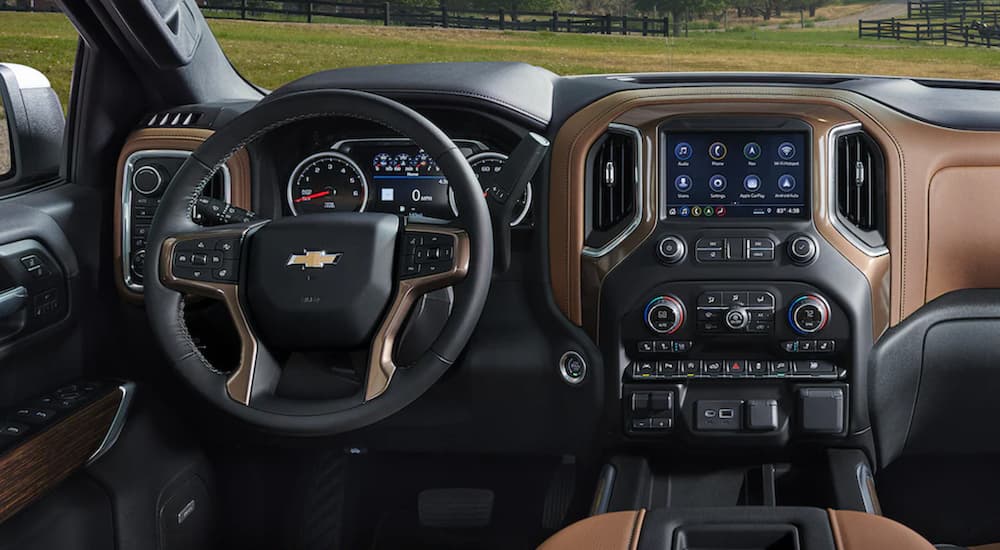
[(327, 182), (487, 167)]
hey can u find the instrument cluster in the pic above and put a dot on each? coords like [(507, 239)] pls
[(391, 175)]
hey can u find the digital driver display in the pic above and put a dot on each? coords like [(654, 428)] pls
[(735, 174), (403, 179)]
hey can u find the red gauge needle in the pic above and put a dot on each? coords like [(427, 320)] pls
[(313, 196)]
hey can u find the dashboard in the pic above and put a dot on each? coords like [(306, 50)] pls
[(702, 246)]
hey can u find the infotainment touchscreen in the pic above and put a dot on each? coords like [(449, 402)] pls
[(735, 174)]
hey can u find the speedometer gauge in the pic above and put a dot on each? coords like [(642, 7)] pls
[(487, 167), (327, 182)]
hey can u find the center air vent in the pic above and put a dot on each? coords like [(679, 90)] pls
[(859, 180), (614, 189)]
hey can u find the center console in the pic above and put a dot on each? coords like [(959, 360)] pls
[(736, 323)]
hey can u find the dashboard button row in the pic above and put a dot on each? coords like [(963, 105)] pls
[(734, 249), (809, 346), (665, 346), (730, 368)]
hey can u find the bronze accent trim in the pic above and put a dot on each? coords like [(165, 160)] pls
[(381, 366), (36, 466), (239, 384), (174, 139), (576, 279), (854, 530)]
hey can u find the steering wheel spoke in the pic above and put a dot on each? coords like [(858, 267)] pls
[(431, 258), (208, 264)]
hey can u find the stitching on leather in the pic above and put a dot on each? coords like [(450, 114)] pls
[(200, 187)]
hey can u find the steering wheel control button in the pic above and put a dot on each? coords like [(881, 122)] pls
[(671, 249), (808, 314), (664, 314), (427, 254), (802, 249), (213, 260), (572, 367)]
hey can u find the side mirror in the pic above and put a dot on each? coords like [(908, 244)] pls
[(31, 127)]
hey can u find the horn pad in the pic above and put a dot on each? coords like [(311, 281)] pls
[(321, 281)]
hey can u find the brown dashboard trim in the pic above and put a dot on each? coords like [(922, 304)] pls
[(576, 280), (34, 467), (179, 139)]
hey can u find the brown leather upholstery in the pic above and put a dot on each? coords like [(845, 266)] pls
[(615, 531), (861, 531)]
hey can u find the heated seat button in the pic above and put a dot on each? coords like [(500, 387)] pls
[(813, 368)]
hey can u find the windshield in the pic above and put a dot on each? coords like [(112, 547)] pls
[(890, 37)]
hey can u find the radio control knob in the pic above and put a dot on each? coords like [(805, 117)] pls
[(808, 314), (671, 249), (802, 249), (737, 318), (664, 314)]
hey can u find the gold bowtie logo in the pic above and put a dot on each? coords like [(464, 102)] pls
[(314, 259)]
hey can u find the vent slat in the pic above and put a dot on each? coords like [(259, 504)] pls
[(860, 182), (613, 179)]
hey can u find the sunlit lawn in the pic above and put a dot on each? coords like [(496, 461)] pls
[(271, 54)]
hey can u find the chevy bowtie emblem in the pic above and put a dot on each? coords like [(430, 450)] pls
[(314, 259)]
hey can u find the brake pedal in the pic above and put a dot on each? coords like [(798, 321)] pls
[(455, 508)]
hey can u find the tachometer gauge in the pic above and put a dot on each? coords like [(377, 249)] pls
[(487, 167), (327, 182)]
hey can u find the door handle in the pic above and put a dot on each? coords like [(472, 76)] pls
[(12, 300)]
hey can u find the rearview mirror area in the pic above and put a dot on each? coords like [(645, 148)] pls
[(31, 128)]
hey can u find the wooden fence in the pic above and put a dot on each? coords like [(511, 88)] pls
[(965, 32), (324, 11)]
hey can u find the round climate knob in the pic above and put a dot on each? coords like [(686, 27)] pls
[(808, 314), (671, 249), (737, 318), (664, 314), (802, 249), (147, 180)]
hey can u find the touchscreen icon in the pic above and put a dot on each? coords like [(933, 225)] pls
[(717, 183), (786, 151), (751, 183), (683, 151), (685, 211), (696, 211), (786, 183), (751, 151), (717, 150), (683, 183)]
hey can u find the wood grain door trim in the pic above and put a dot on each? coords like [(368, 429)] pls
[(33, 468)]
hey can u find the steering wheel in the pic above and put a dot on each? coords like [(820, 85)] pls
[(339, 281)]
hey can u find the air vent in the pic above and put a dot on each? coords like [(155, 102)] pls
[(859, 177), (614, 189), (174, 118)]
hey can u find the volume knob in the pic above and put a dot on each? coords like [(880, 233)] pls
[(808, 314), (664, 314)]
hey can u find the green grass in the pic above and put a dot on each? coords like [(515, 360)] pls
[(271, 54)]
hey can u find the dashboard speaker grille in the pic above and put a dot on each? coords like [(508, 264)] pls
[(860, 183)]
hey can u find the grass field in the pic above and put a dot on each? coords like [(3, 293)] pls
[(271, 54)]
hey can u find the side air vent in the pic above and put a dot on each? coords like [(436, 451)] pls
[(859, 182), (614, 189), (175, 118)]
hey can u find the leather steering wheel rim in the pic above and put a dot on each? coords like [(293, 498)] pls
[(165, 305)]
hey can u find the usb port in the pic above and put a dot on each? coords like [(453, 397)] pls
[(726, 413)]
